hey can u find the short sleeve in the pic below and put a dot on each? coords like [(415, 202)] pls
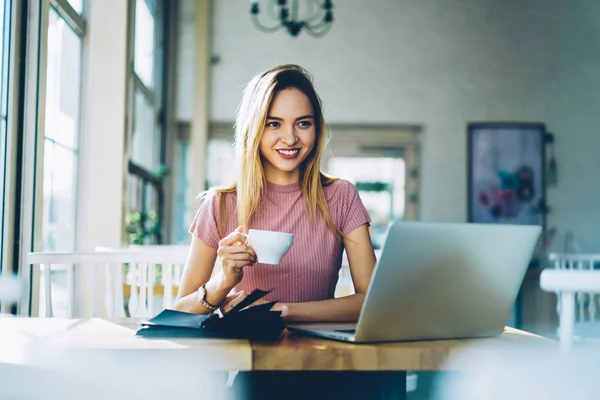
[(204, 224), (353, 211)]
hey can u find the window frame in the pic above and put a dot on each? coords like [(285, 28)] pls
[(34, 103), (75, 20), (9, 137), (153, 95), (157, 99), (5, 75), (78, 27)]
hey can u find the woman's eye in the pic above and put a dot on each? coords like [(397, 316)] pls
[(273, 124), (305, 124)]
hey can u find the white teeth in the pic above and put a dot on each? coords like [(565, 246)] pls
[(288, 152)]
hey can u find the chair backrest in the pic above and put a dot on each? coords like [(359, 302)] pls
[(159, 248), (585, 304), (110, 271), (573, 286)]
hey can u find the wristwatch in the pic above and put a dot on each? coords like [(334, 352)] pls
[(202, 299)]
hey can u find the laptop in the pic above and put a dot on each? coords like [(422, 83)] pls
[(440, 281)]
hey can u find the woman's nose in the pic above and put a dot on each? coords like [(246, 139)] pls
[(289, 136)]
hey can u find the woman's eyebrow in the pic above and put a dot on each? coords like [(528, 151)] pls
[(307, 116)]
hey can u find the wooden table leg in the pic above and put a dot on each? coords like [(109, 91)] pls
[(314, 385)]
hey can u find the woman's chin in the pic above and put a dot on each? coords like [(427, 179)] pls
[(288, 165), (287, 170)]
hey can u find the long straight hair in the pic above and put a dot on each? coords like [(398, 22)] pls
[(251, 117)]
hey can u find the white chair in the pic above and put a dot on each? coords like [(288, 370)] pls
[(587, 319), (571, 286), (108, 278), (159, 248), (165, 249)]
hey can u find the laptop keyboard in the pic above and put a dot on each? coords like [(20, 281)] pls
[(346, 330)]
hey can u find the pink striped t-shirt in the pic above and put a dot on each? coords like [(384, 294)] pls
[(309, 271)]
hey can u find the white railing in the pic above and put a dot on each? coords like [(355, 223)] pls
[(577, 286), (108, 280), (586, 305), (162, 248)]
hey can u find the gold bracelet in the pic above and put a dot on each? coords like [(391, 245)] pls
[(201, 298)]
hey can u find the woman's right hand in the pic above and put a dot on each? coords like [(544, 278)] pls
[(235, 255)]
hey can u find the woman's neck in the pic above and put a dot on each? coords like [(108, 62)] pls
[(282, 177)]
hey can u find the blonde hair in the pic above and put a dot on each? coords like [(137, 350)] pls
[(250, 122)]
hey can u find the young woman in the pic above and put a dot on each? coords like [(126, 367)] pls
[(280, 135)]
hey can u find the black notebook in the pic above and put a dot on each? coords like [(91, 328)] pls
[(242, 322)]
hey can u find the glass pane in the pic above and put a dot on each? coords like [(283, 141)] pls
[(63, 82), (145, 144), (143, 225), (59, 205), (61, 127), (182, 183), (2, 180), (219, 168), (3, 110), (133, 189), (77, 5), (380, 183), (144, 41), (152, 224), (4, 35), (58, 223)]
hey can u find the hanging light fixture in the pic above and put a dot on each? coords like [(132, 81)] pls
[(287, 14)]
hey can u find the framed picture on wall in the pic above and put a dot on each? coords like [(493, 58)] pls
[(506, 167)]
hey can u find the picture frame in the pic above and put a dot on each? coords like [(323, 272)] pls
[(506, 173)]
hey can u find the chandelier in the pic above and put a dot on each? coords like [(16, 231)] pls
[(319, 16)]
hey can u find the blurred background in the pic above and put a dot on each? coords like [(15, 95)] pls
[(115, 114)]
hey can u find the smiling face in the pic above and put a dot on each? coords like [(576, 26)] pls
[(289, 136)]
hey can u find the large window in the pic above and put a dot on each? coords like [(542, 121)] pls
[(61, 144), (147, 141), (380, 182), (63, 97), (5, 7)]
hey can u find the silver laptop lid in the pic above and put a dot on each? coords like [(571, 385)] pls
[(442, 281)]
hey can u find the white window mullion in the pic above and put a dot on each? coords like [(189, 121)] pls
[(9, 110), (104, 121), (33, 150)]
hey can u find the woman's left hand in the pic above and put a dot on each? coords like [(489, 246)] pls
[(232, 300)]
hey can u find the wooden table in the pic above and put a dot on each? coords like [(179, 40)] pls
[(301, 353), (90, 337), (341, 365), (371, 371), (97, 359)]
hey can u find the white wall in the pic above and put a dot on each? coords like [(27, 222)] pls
[(441, 64)]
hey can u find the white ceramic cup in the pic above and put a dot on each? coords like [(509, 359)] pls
[(269, 246)]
